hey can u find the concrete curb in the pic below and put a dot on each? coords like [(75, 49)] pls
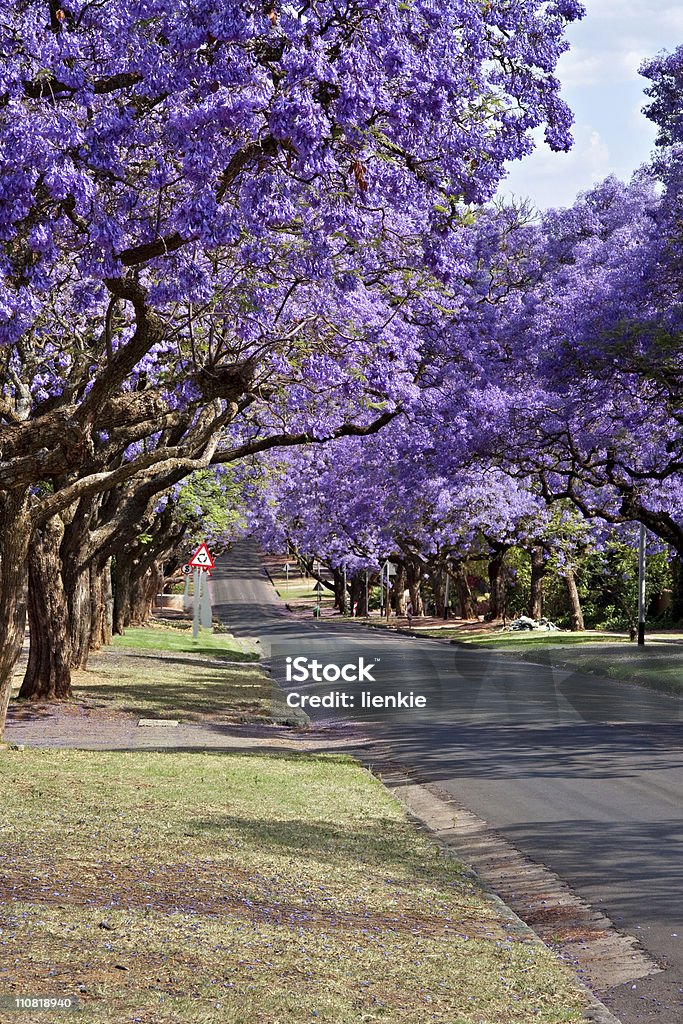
[(433, 814)]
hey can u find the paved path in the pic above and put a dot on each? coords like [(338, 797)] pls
[(581, 774)]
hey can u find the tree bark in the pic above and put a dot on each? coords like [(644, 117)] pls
[(48, 673), (80, 617), (15, 538), (414, 577), (575, 612), (76, 575), (496, 584), (101, 600), (538, 572), (358, 595), (339, 595), (463, 592), (122, 593), (145, 584), (399, 582)]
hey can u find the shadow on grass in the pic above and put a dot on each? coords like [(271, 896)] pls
[(204, 696), (175, 657), (383, 842)]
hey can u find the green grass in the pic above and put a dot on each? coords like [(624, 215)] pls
[(159, 672), (657, 665), (222, 888), (527, 639), (164, 638), (303, 592)]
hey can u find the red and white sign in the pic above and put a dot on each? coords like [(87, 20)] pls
[(202, 559)]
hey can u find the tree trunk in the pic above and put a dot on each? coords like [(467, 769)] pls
[(15, 537), (80, 617), (463, 592), (496, 584), (358, 595), (399, 582), (145, 584), (339, 595), (48, 673), (122, 593), (74, 551), (574, 602), (101, 602), (439, 573), (414, 576), (538, 572)]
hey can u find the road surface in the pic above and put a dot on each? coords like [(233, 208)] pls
[(581, 774)]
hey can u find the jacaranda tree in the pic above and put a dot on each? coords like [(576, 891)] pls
[(162, 161)]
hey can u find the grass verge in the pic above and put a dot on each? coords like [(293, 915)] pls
[(658, 665), (162, 672), (166, 638), (180, 887), (525, 640)]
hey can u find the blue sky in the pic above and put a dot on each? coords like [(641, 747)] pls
[(601, 84)]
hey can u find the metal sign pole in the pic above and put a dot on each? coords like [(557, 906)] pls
[(195, 622), (206, 602), (186, 593)]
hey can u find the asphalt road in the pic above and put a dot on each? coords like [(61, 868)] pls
[(581, 774)]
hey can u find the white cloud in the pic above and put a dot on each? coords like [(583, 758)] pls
[(601, 84), (554, 179), (611, 42)]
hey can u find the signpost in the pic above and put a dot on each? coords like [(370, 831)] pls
[(287, 568), (187, 570), (201, 559), (200, 566)]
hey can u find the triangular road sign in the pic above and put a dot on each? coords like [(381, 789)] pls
[(202, 559)]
